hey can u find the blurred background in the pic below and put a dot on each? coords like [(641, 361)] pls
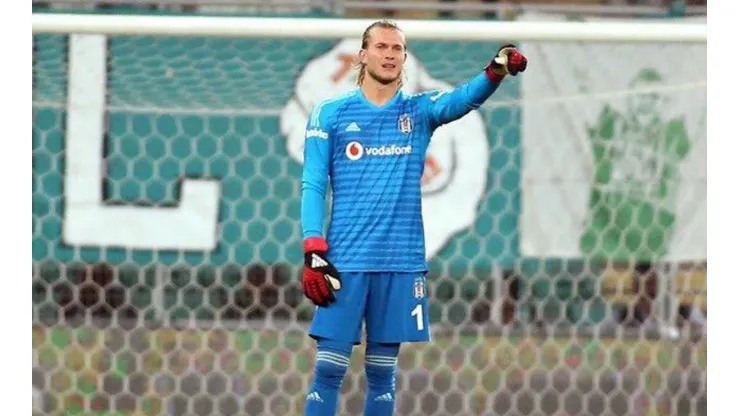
[(565, 219)]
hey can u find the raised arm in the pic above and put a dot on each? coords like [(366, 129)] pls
[(317, 157), (447, 106)]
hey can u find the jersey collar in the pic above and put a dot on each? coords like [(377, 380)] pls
[(374, 106)]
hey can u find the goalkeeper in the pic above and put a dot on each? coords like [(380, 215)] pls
[(370, 267)]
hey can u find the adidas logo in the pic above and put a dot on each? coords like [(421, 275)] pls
[(352, 127), (314, 396), (317, 262), (387, 397)]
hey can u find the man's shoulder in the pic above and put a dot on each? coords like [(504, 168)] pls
[(425, 96), (326, 108), (337, 100), (417, 95)]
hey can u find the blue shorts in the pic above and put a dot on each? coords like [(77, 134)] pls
[(393, 306)]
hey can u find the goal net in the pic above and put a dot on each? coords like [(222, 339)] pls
[(565, 224)]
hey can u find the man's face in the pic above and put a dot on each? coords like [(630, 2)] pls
[(385, 54)]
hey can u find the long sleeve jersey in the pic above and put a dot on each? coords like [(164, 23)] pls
[(374, 158)]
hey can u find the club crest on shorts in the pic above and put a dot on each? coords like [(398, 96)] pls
[(419, 288), (404, 124)]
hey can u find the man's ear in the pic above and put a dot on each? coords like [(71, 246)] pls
[(362, 56)]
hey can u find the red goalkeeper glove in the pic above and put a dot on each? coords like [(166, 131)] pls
[(320, 278), (508, 61)]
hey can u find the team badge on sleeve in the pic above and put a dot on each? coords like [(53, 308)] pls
[(419, 288), (405, 124)]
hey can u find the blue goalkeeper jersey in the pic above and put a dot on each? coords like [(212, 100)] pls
[(374, 156)]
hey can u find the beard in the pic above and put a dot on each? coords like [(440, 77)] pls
[(381, 79)]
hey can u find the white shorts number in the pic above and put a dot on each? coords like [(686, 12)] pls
[(418, 313)]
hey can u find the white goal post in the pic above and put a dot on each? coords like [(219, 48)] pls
[(273, 27)]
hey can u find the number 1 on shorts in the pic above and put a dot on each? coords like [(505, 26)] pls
[(417, 312)]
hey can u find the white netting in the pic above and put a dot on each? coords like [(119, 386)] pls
[(575, 178)]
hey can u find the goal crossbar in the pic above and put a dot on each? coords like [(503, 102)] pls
[(331, 28)]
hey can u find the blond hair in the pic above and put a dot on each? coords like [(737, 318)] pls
[(385, 24)]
